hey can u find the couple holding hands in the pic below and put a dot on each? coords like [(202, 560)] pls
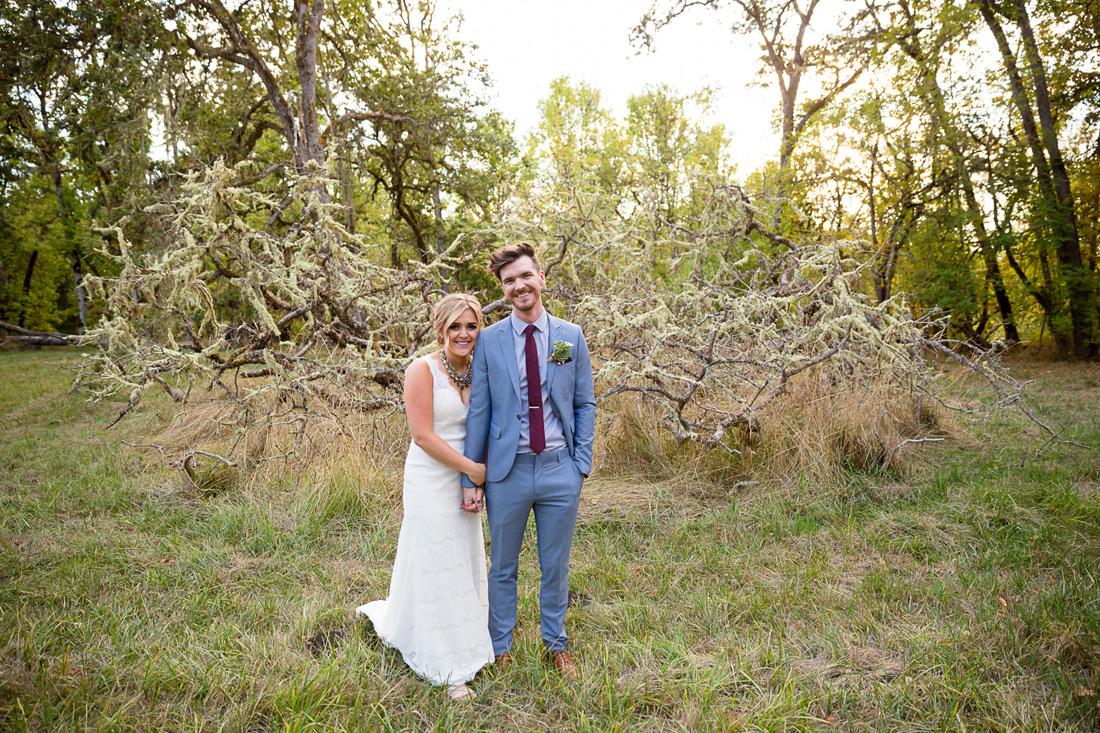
[(507, 427)]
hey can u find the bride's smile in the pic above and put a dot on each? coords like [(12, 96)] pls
[(461, 337)]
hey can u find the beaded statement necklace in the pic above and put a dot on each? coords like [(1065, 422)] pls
[(462, 380)]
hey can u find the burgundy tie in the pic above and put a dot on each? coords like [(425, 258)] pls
[(534, 392)]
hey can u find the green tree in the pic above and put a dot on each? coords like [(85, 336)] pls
[(447, 149), (952, 160), (74, 109), (670, 148), (1031, 97), (578, 141), (783, 28), (385, 92)]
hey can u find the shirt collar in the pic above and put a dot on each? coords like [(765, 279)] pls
[(519, 326)]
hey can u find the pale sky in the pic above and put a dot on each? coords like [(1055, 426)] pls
[(529, 43)]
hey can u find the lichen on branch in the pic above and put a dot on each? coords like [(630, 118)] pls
[(249, 296), (712, 319)]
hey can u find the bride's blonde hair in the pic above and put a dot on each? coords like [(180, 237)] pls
[(448, 310)]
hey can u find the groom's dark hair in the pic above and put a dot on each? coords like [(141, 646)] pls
[(509, 253)]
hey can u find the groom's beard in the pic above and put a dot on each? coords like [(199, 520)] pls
[(532, 303)]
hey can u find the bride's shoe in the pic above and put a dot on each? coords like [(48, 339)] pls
[(460, 693)]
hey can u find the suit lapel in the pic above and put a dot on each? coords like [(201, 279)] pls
[(552, 334), (508, 354)]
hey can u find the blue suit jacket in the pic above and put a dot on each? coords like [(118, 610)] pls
[(496, 404)]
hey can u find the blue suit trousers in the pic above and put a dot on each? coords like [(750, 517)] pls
[(550, 486)]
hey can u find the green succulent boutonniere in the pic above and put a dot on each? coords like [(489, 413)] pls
[(560, 352)]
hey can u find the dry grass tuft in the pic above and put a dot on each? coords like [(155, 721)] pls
[(629, 443), (818, 433), (349, 495), (613, 497), (209, 477), (822, 432), (341, 456)]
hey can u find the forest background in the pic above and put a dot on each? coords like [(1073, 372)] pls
[(953, 146)]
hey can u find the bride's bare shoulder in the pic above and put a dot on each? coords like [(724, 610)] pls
[(419, 366)]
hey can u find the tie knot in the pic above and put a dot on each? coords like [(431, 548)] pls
[(530, 329)]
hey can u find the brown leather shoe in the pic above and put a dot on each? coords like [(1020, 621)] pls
[(565, 665), (503, 661)]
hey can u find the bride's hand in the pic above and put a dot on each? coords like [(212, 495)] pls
[(477, 474), (470, 502)]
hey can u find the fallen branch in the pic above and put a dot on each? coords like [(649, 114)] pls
[(908, 441), (39, 338)]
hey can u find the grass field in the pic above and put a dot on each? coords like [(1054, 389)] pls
[(963, 597)]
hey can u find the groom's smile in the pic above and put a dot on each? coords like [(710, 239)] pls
[(522, 283)]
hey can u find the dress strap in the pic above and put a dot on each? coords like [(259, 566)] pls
[(439, 378)]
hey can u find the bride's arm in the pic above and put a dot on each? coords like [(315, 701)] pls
[(418, 410)]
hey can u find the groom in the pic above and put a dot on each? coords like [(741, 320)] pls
[(532, 402)]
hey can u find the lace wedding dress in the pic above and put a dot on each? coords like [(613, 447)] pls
[(437, 610)]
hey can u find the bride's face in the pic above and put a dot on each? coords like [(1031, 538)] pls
[(461, 336)]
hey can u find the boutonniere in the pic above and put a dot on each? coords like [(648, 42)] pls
[(560, 352)]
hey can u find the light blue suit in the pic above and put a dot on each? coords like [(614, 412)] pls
[(548, 484)]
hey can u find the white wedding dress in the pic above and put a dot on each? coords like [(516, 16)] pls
[(437, 610)]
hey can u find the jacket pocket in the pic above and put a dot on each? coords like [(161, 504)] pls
[(494, 431)]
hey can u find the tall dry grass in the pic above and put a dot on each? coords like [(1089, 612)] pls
[(818, 432), (340, 461)]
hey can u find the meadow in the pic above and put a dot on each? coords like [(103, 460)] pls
[(960, 594)]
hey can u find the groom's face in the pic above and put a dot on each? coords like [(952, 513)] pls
[(522, 282)]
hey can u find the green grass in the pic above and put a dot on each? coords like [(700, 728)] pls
[(962, 598)]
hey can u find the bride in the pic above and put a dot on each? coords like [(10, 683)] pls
[(436, 613)]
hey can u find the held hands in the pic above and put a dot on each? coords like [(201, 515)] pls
[(473, 499)]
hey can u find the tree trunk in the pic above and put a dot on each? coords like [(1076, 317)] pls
[(38, 338), (65, 217), (27, 277), (437, 205), (347, 188), (788, 72), (1079, 282), (989, 253), (78, 283), (1054, 185), (945, 123), (899, 235), (1000, 294), (309, 28), (882, 276), (300, 127)]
